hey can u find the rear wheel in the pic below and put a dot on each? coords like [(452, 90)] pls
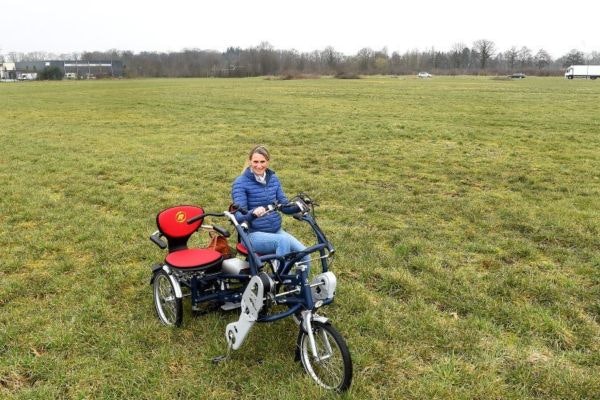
[(332, 368), (169, 308)]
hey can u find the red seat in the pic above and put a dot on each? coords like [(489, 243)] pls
[(197, 259), (172, 223), (241, 248)]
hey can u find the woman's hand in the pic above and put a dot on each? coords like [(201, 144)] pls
[(259, 211)]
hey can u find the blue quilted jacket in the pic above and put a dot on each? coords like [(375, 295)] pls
[(248, 193)]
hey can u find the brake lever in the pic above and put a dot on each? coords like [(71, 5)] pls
[(222, 231)]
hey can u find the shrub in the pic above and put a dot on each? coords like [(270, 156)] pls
[(296, 75), (51, 74), (347, 75)]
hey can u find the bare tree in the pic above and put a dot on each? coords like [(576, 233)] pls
[(289, 60), (574, 57), (13, 56), (542, 59), (456, 55), (365, 58), (395, 63), (268, 59), (331, 58), (486, 49), (525, 58), (265, 60), (381, 61), (511, 57)]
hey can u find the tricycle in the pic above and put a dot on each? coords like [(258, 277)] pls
[(265, 287)]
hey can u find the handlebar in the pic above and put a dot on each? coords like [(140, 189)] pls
[(199, 217), (303, 202), (221, 231)]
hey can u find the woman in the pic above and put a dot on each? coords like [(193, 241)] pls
[(254, 190)]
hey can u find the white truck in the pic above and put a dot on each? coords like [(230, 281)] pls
[(583, 71)]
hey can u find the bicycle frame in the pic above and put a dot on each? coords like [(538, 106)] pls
[(300, 298)]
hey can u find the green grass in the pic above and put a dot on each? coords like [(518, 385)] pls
[(465, 212)]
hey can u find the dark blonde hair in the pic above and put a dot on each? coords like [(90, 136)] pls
[(259, 149)]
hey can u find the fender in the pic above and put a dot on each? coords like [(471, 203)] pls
[(304, 315), (174, 282)]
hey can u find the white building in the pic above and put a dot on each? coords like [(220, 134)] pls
[(8, 71)]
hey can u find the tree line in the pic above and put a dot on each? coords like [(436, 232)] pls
[(482, 58)]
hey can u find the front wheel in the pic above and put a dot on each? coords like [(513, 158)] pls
[(332, 367), (169, 307)]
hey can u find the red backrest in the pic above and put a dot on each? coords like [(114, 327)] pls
[(172, 222)]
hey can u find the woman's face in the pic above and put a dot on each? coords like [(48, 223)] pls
[(258, 164)]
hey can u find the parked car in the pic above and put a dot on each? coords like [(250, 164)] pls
[(28, 76), (518, 75), (424, 75)]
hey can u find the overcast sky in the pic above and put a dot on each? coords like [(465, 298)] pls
[(74, 26)]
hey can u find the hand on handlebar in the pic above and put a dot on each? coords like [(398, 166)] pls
[(259, 211), (262, 211)]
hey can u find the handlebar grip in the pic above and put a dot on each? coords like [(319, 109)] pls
[(156, 240)]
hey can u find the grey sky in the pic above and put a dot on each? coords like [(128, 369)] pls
[(348, 26)]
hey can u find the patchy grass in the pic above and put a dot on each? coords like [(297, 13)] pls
[(465, 212)]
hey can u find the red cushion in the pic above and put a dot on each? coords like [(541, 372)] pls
[(242, 249), (193, 258)]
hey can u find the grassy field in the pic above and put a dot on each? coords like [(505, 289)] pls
[(465, 212)]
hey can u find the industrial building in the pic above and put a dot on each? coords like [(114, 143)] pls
[(77, 69)]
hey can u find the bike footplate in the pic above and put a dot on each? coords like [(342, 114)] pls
[(253, 300)]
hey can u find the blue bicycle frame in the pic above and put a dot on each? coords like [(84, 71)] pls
[(300, 297)]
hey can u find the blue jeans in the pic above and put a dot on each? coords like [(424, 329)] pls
[(280, 243)]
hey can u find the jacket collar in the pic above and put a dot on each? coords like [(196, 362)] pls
[(250, 175)]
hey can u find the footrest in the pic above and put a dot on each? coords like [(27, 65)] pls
[(228, 306)]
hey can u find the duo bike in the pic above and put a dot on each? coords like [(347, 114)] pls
[(265, 287)]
